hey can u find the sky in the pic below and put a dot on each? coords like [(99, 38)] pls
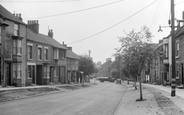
[(96, 25)]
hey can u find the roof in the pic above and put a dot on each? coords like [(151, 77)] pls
[(52, 41), (179, 32), (43, 39), (35, 37), (8, 15), (115, 63), (71, 54)]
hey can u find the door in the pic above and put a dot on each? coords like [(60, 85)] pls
[(39, 74), (8, 74), (33, 75)]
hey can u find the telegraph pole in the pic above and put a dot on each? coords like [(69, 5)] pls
[(173, 79)]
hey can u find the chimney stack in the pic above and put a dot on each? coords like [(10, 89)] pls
[(160, 41), (69, 48), (33, 25), (50, 33), (64, 44)]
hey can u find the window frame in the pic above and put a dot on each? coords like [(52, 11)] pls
[(30, 53), (39, 49), (46, 53), (16, 29), (177, 49), (17, 70), (17, 48)]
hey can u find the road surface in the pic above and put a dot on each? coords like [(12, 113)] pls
[(101, 99)]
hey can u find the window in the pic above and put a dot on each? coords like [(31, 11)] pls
[(177, 49), (17, 46), (46, 71), (61, 54), (46, 53), (39, 53), (166, 51), (29, 71), (17, 71), (56, 54), (177, 74), (16, 29), (29, 52), (1, 34)]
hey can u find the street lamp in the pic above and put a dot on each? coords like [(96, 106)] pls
[(173, 80)]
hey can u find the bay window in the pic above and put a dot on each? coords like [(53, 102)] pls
[(17, 46), (17, 70)]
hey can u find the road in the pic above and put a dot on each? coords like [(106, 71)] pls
[(101, 99)]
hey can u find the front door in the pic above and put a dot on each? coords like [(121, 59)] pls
[(39, 74), (8, 74), (33, 75)]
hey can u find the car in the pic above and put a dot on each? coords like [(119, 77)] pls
[(118, 81)]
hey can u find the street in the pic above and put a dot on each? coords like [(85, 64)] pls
[(101, 99)]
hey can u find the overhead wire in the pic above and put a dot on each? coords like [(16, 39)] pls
[(114, 24), (37, 1), (159, 11), (179, 3), (154, 17), (66, 13)]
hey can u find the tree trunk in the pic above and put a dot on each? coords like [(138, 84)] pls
[(135, 83), (140, 85)]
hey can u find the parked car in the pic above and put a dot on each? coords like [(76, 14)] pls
[(102, 79), (118, 81)]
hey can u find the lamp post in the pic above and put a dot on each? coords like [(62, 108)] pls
[(173, 79), (173, 85)]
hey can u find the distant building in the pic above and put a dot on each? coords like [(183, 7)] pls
[(106, 67)]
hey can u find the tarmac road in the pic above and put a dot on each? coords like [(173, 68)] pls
[(101, 99)]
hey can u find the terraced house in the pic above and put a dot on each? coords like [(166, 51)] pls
[(72, 66), (13, 57), (46, 58), (28, 57)]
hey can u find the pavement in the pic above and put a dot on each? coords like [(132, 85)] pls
[(157, 101)]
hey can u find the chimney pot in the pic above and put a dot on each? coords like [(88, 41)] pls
[(17, 15), (33, 25)]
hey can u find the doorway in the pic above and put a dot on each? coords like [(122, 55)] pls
[(39, 74), (8, 74)]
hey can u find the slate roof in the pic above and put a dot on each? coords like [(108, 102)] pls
[(71, 54), (179, 32), (8, 15), (52, 41), (43, 39)]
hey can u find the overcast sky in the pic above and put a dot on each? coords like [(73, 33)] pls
[(97, 20)]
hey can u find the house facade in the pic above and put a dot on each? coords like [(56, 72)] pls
[(106, 67), (72, 66), (46, 58), (157, 66), (14, 40)]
